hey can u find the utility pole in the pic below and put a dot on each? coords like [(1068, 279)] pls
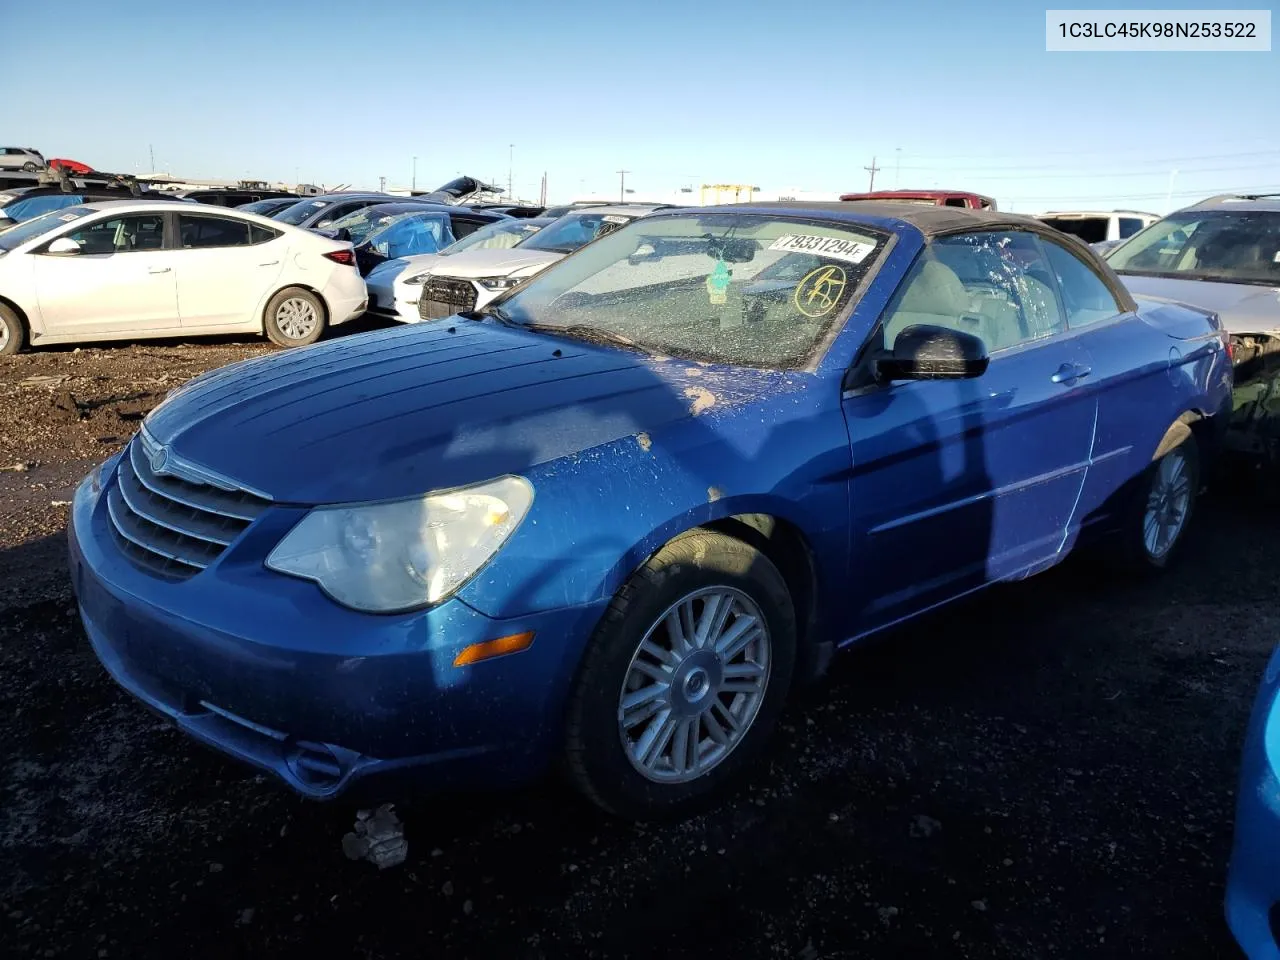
[(413, 185), (153, 157), (382, 184), (542, 199), (622, 186), (897, 166), (511, 152), (1168, 200), (873, 169)]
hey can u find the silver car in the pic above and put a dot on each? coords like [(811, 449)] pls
[(21, 158)]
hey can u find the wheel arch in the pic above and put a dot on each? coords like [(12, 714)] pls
[(22, 316)]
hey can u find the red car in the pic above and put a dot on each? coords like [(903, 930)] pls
[(71, 166), (937, 198)]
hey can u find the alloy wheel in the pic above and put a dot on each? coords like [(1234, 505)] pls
[(694, 685), (1167, 504)]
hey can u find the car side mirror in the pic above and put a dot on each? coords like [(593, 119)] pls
[(923, 351), (63, 247), (344, 234)]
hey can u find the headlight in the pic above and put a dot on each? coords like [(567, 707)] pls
[(418, 278), (389, 557), (499, 283)]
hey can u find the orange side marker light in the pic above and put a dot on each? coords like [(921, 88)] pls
[(488, 649)]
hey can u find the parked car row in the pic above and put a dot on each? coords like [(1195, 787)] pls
[(843, 416)]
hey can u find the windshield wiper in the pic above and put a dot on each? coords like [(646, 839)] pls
[(583, 331)]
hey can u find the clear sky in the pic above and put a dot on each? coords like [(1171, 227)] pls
[(781, 95)]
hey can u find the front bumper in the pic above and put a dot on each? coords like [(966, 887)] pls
[(394, 300), (265, 668), (1253, 883)]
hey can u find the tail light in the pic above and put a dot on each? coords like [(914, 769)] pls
[(345, 257)]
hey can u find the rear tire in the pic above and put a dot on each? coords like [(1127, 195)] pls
[(13, 333), (30, 167), (294, 318), (1156, 521), (657, 727)]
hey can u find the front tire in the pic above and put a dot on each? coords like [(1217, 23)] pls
[(294, 318), (12, 332), (30, 167), (683, 680)]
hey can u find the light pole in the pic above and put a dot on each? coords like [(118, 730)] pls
[(511, 152), (622, 185), (414, 183), (382, 184)]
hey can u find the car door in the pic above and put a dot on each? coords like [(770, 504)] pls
[(1131, 364), (226, 266), (121, 281), (958, 483)]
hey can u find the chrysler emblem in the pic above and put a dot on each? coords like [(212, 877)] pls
[(159, 459)]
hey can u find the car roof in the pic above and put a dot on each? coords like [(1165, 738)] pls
[(622, 209), (1269, 203), (929, 220), (412, 206), (1096, 213), (185, 206)]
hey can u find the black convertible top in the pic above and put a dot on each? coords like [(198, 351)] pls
[(932, 221), (928, 219)]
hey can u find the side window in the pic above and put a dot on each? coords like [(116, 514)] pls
[(1087, 299), (954, 202), (199, 232), (260, 234), (121, 235), (463, 227), (996, 286), (1129, 226)]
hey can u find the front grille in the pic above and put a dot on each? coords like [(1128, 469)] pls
[(444, 296), (171, 524)]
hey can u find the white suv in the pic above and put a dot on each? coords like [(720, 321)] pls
[(1097, 226), (21, 158)]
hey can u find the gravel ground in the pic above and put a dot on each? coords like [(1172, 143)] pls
[(1045, 771)]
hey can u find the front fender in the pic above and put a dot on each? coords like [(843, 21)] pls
[(599, 514)]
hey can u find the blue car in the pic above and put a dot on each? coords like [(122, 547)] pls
[(1253, 885), (614, 519)]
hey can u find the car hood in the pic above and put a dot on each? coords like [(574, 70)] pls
[(391, 269), (494, 263), (1242, 307), (396, 413)]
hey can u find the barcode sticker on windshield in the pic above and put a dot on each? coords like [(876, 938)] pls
[(68, 217), (613, 218), (851, 251)]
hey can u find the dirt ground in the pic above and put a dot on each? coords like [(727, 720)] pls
[(1047, 771)]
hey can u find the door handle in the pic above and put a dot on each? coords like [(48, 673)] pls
[(1070, 372), (269, 263), (159, 269)]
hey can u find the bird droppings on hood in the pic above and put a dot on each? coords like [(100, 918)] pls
[(703, 400), (714, 494), (646, 444), (693, 371)]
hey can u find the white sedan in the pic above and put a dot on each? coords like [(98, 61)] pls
[(125, 269)]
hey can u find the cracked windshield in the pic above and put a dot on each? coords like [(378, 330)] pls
[(734, 289)]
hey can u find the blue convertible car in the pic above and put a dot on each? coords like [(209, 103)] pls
[(615, 518)]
